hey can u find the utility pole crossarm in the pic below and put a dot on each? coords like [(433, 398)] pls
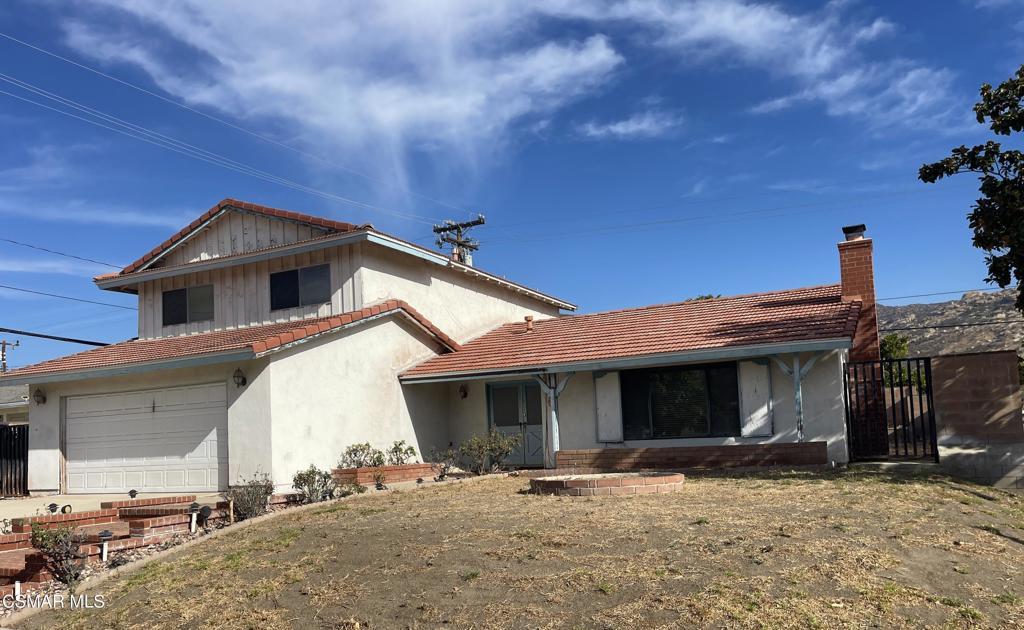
[(454, 234)]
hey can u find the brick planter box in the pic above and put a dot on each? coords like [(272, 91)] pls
[(608, 484), (682, 457), (392, 474)]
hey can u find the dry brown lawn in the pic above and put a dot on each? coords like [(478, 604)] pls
[(849, 549)]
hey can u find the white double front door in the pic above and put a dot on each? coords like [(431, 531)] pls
[(515, 409)]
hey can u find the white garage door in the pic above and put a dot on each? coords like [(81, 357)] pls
[(158, 440)]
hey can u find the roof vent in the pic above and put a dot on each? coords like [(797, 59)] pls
[(855, 232), (529, 323)]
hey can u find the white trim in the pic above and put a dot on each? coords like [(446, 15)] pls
[(131, 368)]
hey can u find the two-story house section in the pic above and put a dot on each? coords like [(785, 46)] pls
[(268, 340)]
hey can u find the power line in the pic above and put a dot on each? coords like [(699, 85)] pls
[(903, 297), (67, 297), (53, 251), (234, 126), (963, 325), (144, 134), (25, 333)]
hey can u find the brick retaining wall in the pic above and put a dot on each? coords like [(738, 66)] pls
[(681, 457), (392, 474)]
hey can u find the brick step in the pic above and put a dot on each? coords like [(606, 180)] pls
[(119, 529), (10, 542), (150, 502), (51, 521), (134, 513)]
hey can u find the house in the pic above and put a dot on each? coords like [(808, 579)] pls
[(270, 340), (13, 405)]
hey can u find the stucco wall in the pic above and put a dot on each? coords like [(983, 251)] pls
[(247, 413), (824, 418), (344, 389), (461, 306)]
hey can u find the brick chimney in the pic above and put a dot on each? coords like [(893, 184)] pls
[(857, 275)]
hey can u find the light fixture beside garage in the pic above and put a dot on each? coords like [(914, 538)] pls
[(39, 396), (239, 377)]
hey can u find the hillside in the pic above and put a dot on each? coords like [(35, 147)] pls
[(973, 307)]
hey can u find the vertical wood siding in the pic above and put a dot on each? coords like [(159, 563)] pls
[(238, 232), (241, 294)]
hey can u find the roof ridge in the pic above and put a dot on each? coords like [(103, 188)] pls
[(225, 204)]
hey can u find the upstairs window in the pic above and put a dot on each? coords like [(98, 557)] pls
[(300, 287), (681, 402), (185, 306)]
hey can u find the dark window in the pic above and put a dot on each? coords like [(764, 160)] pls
[(680, 402), (182, 306), (175, 307), (300, 287)]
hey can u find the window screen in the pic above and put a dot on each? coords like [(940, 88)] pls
[(300, 287), (183, 306), (680, 402)]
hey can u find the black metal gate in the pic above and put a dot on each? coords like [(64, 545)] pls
[(14, 460), (889, 410)]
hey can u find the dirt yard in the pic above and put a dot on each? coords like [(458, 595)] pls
[(769, 550)]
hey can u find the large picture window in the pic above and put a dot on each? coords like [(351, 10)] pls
[(680, 402), (184, 306), (300, 287)]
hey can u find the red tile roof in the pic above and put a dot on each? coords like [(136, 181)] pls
[(808, 314), (317, 222), (258, 339)]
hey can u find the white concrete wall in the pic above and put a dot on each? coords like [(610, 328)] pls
[(344, 389), (824, 415), (460, 305), (248, 420)]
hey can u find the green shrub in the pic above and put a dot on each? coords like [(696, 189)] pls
[(251, 497), (315, 484), (361, 456), (487, 453), (349, 489), (61, 547), (442, 461), (400, 453)]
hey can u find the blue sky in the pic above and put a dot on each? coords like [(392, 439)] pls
[(623, 153)]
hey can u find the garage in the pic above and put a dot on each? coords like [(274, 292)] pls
[(157, 440)]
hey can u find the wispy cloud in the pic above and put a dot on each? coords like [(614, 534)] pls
[(29, 265), (641, 125), (90, 213)]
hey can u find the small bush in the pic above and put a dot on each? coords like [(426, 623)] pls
[(487, 453), (61, 547), (442, 462), (251, 497), (361, 456), (379, 478), (314, 484), (400, 453), (349, 489)]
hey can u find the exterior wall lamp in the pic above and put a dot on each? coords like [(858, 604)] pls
[(239, 378), (39, 396)]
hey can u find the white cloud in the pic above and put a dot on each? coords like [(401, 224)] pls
[(372, 80), (369, 83), (67, 268), (88, 213), (642, 125)]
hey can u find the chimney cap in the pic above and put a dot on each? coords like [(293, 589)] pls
[(854, 232)]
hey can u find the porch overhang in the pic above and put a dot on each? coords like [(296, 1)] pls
[(731, 353)]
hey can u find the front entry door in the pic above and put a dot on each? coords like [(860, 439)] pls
[(516, 410)]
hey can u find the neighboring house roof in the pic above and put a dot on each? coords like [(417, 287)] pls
[(781, 317), (241, 343), (333, 233), (12, 396)]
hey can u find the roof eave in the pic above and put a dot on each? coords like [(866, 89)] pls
[(39, 378), (121, 282), (652, 360)]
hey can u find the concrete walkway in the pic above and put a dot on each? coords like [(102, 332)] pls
[(36, 506)]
